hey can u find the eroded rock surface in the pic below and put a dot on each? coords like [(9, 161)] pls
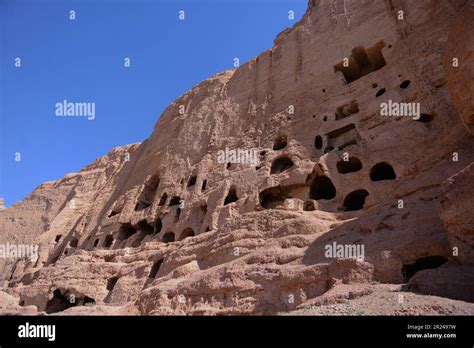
[(163, 227)]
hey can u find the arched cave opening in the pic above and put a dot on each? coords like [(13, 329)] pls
[(231, 196), (271, 197), (58, 303), (281, 164), (420, 264), (322, 188), (350, 166), (355, 200), (145, 228), (382, 171), (168, 237), (126, 231)]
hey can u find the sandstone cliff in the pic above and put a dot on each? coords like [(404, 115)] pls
[(162, 227)]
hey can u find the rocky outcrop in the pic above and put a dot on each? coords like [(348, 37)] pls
[(456, 211), (451, 280), (459, 65), (239, 200)]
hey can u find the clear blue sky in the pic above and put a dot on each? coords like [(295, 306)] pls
[(82, 61)]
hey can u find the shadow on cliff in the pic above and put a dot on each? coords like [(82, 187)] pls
[(121, 180)]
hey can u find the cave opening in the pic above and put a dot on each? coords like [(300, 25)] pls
[(231, 196), (73, 243), (155, 268), (405, 84), (281, 164), (420, 264), (322, 188), (350, 166), (145, 228), (58, 303), (271, 197), (126, 231), (308, 206), (168, 237), (176, 200), (177, 215), (163, 199), (158, 226), (111, 283), (346, 110), (425, 118), (362, 62), (318, 142), (108, 241), (192, 181), (380, 92), (382, 171), (355, 200), (280, 142), (148, 193)]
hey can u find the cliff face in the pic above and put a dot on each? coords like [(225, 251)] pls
[(163, 227)]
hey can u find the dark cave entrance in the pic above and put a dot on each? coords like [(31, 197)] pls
[(231, 196), (318, 142), (168, 237), (355, 200), (111, 283), (428, 262), (58, 303), (108, 241), (281, 164), (149, 191), (155, 268), (350, 166), (322, 188), (126, 231), (382, 171), (280, 142)]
